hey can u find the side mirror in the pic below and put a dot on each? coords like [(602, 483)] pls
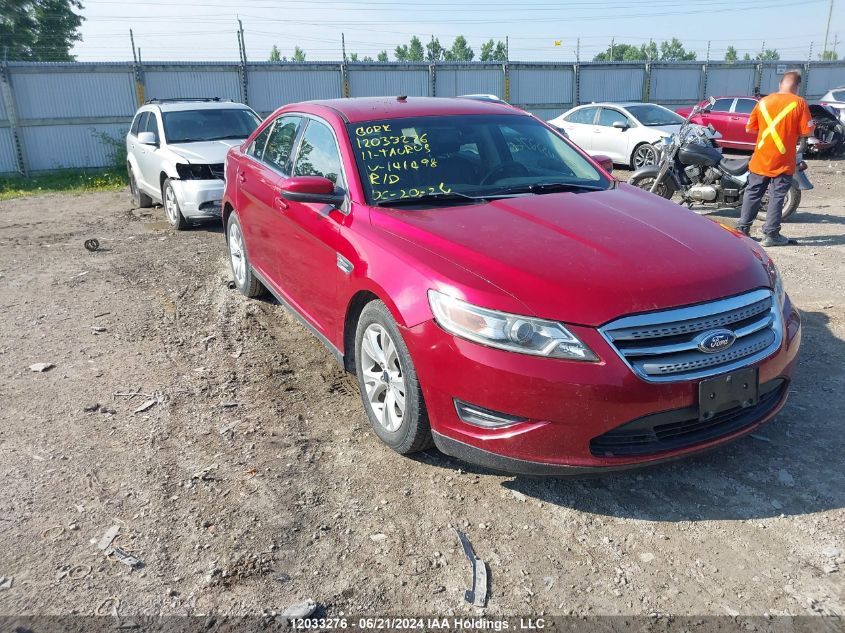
[(621, 125), (147, 138), (712, 101), (314, 189), (605, 162)]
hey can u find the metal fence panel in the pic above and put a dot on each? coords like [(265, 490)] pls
[(730, 80), (675, 84), (823, 77), (547, 85), (62, 146), (611, 83), (3, 116), (67, 93), (452, 81), (384, 80), (8, 163), (167, 82), (545, 114), (272, 86)]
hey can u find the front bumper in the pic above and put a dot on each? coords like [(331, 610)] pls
[(565, 404), (199, 199)]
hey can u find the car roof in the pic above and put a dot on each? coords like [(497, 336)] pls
[(180, 106), (358, 109)]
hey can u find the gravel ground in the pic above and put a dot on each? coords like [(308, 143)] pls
[(244, 476)]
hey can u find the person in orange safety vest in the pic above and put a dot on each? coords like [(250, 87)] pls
[(780, 120)]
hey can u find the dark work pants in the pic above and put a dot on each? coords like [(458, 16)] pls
[(778, 188)]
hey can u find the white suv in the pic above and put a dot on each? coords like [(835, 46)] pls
[(176, 149)]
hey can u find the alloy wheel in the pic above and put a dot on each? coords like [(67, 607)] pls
[(645, 155), (236, 254), (171, 207), (384, 379)]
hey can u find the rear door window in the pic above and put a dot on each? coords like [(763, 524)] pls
[(585, 116), (152, 125), (256, 148)]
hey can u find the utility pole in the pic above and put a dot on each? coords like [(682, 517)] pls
[(810, 54), (507, 49), (612, 42), (578, 50), (827, 30), (132, 41), (343, 46), (708, 51), (242, 41), (835, 44)]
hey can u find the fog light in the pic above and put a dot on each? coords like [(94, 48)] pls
[(479, 416)]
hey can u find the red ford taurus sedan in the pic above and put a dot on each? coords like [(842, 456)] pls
[(498, 293)]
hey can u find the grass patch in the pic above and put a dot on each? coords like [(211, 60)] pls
[(111, 179)]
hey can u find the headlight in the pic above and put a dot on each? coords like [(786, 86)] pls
[(194, 172), (777, 282), (510, 332)]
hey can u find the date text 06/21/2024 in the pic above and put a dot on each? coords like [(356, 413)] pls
[(419, 623)]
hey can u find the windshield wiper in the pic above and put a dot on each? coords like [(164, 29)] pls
[(548, 187), (430, 198), (230, 136)]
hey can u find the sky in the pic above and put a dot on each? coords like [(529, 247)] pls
[(204, 30)]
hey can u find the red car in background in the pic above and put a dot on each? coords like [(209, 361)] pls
[(499, 294), (729, 116)]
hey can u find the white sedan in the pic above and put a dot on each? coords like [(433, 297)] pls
[(624, 132)]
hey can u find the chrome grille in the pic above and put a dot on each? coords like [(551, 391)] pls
[(661, 346)]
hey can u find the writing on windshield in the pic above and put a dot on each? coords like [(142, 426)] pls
[(464, 155)]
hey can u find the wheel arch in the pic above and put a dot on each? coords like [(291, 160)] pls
[(350, 324)]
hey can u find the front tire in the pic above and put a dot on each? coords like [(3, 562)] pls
[(245, 280), (388, 382), (171, 207), (665, 190), (790, 204), (644, 155)]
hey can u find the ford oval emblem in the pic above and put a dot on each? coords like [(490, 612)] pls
[(715, 341)]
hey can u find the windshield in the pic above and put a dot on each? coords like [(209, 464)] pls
[(186, 126), (466, 155), (650, 114)]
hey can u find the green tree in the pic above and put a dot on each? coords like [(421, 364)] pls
[(731, 55), (275, 54), (674, 51), (382, 56), (353, 57), (298, 54), (416, 52), (460, 51), (433, 50), (828, 56), (493, 52), (618, 53), (746, 58), (768, 55), (367, 58), (401, 53), (40, 30)]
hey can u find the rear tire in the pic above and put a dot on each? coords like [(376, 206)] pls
[(171, 207), (140, 200), (245, 280), (388, 382), (665, 190), (790, 205)]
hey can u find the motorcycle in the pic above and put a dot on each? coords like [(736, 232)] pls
[(692, 165)]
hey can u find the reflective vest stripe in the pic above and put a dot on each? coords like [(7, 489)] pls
[(771, 129)]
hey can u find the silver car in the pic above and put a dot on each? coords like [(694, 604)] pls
[(176, 151), (835, 101)]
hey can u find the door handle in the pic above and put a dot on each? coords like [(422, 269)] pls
[(282, 204), (241, 177)]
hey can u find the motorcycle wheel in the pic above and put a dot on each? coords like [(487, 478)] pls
[(790, 205), (665, 190)]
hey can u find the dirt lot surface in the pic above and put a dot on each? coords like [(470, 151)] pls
[(251, 480)]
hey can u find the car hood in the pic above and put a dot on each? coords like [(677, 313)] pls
[(664, 130), (586, 258), (210, 152)]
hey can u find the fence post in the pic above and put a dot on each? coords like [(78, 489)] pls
[(507, 81), (702, 91), (432, 80), (12, 116), (344, 78), (576, 92), (758, 78), (140, 89), (805, 79), (646, 82)]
